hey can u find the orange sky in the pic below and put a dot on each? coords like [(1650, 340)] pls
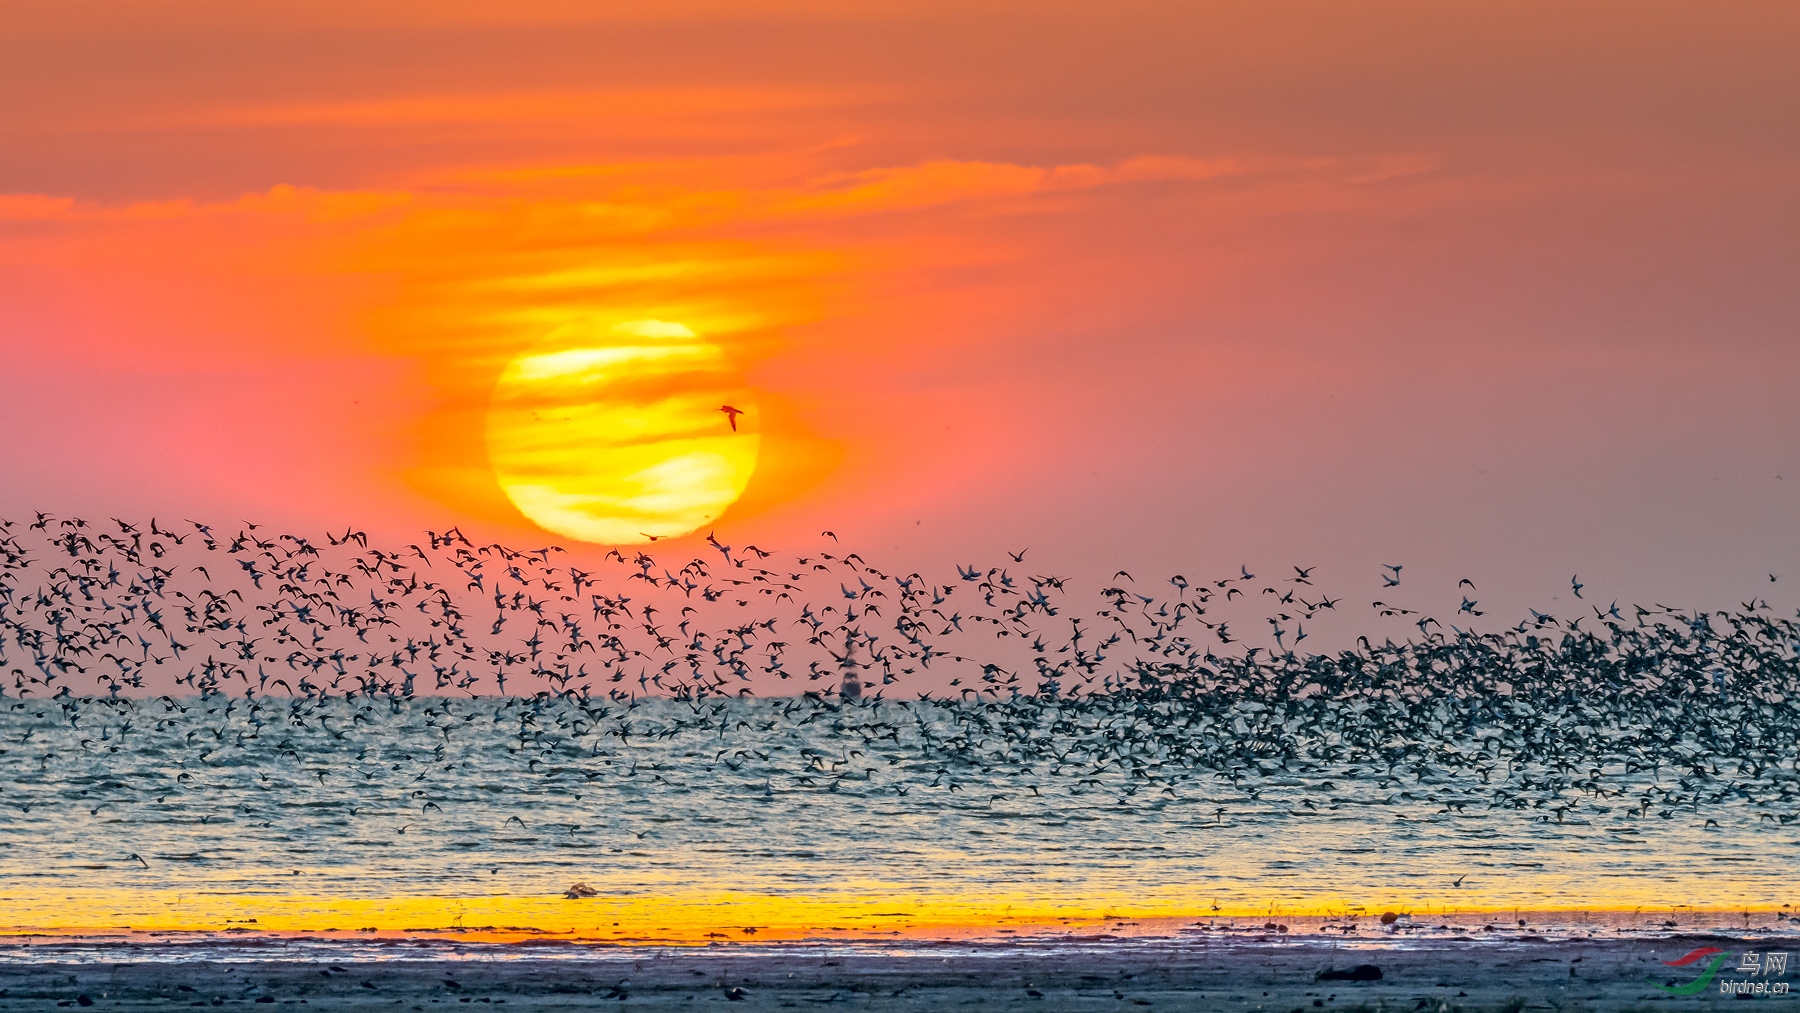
[(1497, 289)]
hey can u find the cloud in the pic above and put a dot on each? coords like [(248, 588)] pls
[(454, 274), (514, 107)]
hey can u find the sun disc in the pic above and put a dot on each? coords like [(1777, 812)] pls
[(614, 435)]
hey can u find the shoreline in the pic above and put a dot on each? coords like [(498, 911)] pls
[(1364, 924), (1223, 972)]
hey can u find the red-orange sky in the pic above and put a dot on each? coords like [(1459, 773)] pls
[(1501, 290)]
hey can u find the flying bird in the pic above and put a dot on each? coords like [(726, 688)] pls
[(731, 415)]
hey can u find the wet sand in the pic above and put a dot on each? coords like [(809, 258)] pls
[(1203, 973)]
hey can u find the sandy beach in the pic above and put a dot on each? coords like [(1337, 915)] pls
[(1266, 972)]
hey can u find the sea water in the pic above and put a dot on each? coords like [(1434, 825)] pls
[(201, 813)]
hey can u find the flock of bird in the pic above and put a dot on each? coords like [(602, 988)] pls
[(1638, 714)]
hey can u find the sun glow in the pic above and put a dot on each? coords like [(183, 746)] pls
[(613, 434)]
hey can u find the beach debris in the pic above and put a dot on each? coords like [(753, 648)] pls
[(1389, 917), (580, 891), (1361, 972)]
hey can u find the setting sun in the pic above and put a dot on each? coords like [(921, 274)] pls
[(614, 434)]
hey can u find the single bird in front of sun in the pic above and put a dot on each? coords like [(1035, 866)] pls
[(731, 415)]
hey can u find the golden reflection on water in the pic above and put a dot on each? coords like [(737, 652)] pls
[(699, 916)]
